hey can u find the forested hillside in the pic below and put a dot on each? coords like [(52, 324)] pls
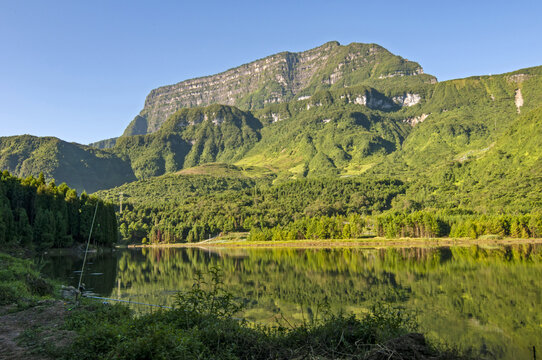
[(195, 207), (190, 208), (82, 167)]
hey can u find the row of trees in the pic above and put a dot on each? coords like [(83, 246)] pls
[(393, 224), (33, 212), (322, 227)]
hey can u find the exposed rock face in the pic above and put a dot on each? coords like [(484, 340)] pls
[(407, 99), (519, 78), (519, 100), (290, 71), (378, 102), (413, 121), (275, 79)]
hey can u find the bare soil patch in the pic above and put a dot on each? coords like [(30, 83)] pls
[(25, 334)]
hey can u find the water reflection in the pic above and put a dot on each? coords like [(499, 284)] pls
[(489, 299)]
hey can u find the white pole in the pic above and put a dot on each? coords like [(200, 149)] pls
[(88, 242)]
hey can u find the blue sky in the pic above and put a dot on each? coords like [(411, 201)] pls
[(80, 70)]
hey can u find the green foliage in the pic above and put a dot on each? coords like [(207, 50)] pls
[(214, 300), (396, 224), (191, 208), (46, 215), (315, 227), (20, 281), (191, 137)]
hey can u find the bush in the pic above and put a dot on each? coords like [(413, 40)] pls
[(19, 279)]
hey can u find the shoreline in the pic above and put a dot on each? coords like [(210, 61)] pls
[(354, 243)]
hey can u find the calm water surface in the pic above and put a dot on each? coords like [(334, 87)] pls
[(488, 299)]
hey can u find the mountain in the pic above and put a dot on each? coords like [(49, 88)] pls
[(82, 167), (278, 79), (477, 146), (357, 110), (459, 143), (104, 144), (191, 137)]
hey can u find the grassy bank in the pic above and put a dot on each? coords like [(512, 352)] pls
[(238, 240), (21, 283)]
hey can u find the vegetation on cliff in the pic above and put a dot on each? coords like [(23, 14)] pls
[(280, 78)]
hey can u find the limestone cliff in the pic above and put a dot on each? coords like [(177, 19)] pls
[(276, 79)]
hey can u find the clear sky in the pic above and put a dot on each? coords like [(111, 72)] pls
[(80, 70)]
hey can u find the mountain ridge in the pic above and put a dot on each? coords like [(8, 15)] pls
[(275, 79)]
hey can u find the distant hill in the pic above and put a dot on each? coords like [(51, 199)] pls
[(104, 144), (82, 167)]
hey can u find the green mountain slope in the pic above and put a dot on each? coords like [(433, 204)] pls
[(81, 167), (191, 137), (334, 132), (505, 178), (481, 152)]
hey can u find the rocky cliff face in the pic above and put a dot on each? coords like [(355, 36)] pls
[(275, 79)]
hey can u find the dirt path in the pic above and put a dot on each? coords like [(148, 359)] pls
[(40, 325)]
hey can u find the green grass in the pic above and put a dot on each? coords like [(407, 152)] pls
[(21, 282), (228, 170)]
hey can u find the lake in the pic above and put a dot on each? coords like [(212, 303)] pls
[(485, 298)]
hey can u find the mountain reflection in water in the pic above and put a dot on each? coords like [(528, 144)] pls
[(488, 299)]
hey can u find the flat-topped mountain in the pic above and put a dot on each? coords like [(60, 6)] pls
[(277, 79), (342, 111)]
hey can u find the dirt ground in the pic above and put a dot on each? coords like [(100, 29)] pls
[(25, 333)]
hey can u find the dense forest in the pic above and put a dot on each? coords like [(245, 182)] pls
[(40, 215), (195, 207), (191, 208), (414, 224)]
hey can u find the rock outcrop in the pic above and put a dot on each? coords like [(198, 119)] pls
[(276, 79), (518, 100)]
